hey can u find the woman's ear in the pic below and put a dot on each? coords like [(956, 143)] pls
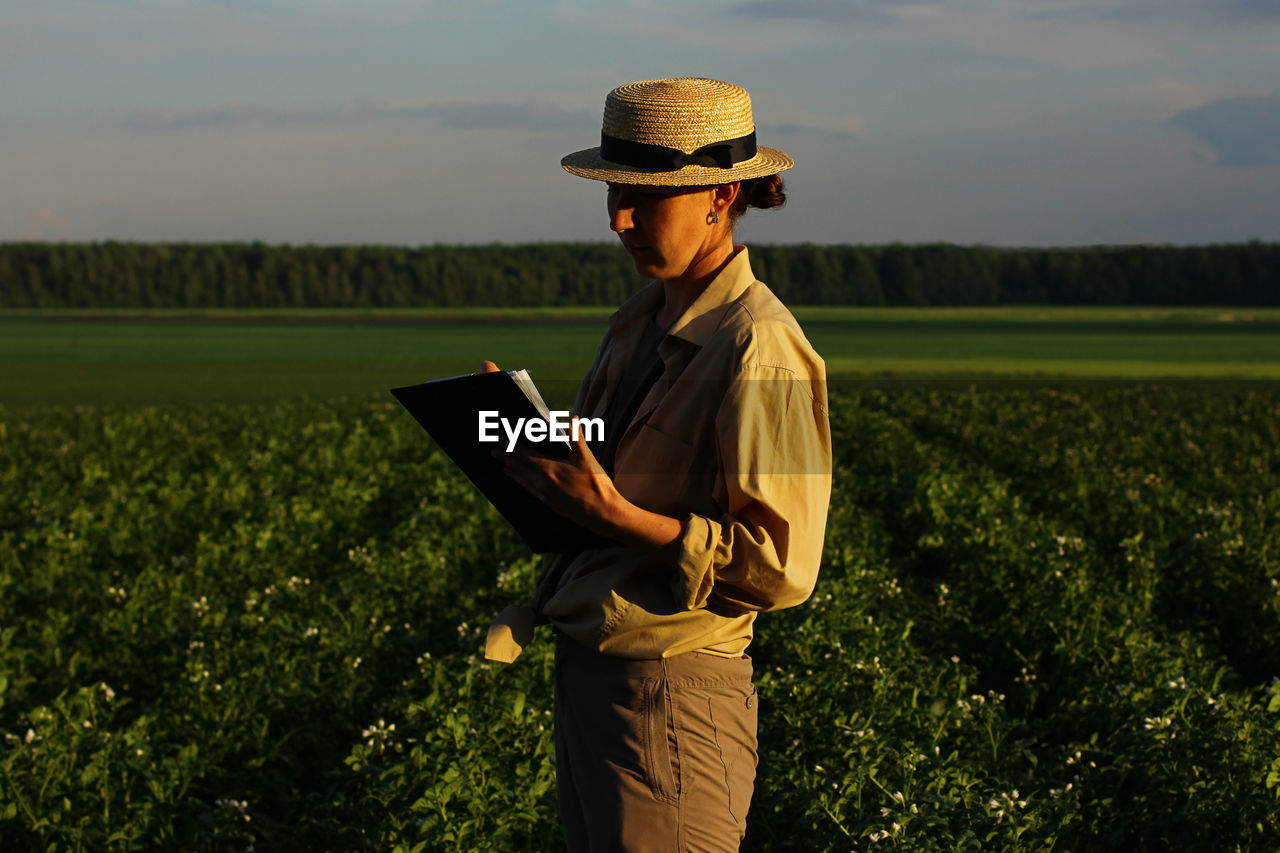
[(724, 195)]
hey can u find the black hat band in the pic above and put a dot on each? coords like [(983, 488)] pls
[(660, 158)]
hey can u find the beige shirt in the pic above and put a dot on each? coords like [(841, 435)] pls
[(733, 439)]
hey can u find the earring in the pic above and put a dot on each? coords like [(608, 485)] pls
[(713, 218)]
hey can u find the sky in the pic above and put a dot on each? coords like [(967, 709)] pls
[(411, 122)]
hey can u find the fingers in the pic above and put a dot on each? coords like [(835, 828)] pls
[(487, 367), (535, 474), (578, 437), (583, 450)]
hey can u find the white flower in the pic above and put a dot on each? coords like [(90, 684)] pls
[(377, 735), (237, 806)]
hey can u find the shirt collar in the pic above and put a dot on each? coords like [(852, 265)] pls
[(701, 319), (642, 304)]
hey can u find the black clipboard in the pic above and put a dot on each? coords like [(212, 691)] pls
[(449, 410)]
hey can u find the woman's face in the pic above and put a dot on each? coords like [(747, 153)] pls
[(664, 229)]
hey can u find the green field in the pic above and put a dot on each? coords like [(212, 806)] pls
[(1048, 615), (98, 357), (1047, 620)]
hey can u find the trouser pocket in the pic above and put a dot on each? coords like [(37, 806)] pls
[(733, 713), (662, 754)]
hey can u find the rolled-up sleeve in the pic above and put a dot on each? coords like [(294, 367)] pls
[(774, 444)]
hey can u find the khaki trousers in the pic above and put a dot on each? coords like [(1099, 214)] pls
[(653, 755)]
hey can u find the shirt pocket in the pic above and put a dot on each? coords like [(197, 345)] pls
[(655, 470)]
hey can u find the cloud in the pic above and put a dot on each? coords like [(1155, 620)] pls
[(1198, 11), (1254, 8), (671, 25), (215, 116), (483, 115), (1118, 10), (826, 11), (1080, 35), (886, 12), (1066, 34), (1241, 132), (454, 115), (1155, 99)]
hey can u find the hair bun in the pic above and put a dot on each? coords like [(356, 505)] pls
[(764, 192)]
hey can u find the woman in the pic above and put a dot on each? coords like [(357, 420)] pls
[(713, 477)]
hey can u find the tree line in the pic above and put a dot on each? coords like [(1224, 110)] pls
[(255, 275)]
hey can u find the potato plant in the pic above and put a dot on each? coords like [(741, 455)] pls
[(1048, 619)]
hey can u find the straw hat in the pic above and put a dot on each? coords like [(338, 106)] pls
[(679, 132)]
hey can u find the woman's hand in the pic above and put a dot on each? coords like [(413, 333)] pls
[(575, 487), (579, 489)]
